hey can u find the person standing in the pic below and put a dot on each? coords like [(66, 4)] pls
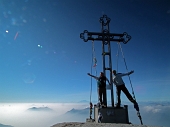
[(101, 83), (120, 86)]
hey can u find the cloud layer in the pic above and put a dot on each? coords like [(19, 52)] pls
[(48, 114)]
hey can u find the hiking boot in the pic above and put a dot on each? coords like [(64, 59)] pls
[(117, 105), (104, 106), (133, 101)]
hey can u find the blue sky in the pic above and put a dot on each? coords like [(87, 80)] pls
[(43, 59)]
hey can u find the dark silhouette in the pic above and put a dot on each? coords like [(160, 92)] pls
[(120, 86), (101, 83)]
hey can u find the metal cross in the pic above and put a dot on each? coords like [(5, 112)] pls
[(106, 37)]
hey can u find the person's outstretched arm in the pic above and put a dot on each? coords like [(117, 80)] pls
[(93, 76), (131, 72), (126, 73)]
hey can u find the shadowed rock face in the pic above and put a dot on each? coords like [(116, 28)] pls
[(89, 124)]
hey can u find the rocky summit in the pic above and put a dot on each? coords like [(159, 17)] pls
[(90, 124)]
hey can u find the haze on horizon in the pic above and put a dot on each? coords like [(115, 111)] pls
[(20, 115)]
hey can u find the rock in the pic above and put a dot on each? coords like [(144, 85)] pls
[(89, 124)]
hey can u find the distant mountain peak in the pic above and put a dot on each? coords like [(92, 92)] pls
[(83, 101), (39, 109), (2, 125), (78, 111)]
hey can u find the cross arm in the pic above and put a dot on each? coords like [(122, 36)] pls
[(105, 36)]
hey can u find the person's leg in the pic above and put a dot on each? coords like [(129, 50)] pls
[(128, 95), (104, 96), (118, 88), (100, 95)]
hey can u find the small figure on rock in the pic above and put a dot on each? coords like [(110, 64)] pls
[(100, 117)]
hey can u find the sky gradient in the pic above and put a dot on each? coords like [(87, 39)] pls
[(43, 59)]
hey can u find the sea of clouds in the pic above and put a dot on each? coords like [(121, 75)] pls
[(48, 114)]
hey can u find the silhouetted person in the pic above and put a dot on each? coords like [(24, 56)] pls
[(101, 83), (100, 117), (120, 85)]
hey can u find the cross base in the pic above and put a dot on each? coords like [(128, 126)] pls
[(112, 114)]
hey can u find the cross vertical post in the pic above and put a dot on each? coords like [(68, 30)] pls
[(106, 43)]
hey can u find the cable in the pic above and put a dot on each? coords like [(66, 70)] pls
[(127, 70), (93, 64), (117, 57), (138, 113), (91, 70)]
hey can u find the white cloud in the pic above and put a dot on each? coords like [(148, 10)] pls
[(152, 114), (17, 114), (152, 109)]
